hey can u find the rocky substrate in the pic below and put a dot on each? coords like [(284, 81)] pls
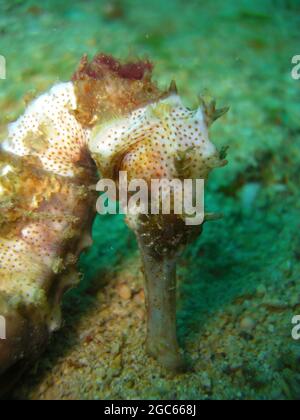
[(242, 352)]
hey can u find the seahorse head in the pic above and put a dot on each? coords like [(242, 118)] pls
[(163, 139)]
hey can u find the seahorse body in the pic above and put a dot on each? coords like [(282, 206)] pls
[(46, 200), (47, 210)]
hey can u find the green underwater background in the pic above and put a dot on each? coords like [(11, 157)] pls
[(239, 283)]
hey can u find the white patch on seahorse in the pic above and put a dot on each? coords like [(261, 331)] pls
[(49, 131), (5, 170)]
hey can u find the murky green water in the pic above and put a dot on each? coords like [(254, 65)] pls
[(244, 267)]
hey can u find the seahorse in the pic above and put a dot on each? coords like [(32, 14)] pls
[(110, 117)]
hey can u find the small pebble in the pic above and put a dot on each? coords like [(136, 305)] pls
[(271, 329), (140, 314), (206, 382), (247, 324), (124, 292), (113, 10), (261, 290), (140, 297)]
